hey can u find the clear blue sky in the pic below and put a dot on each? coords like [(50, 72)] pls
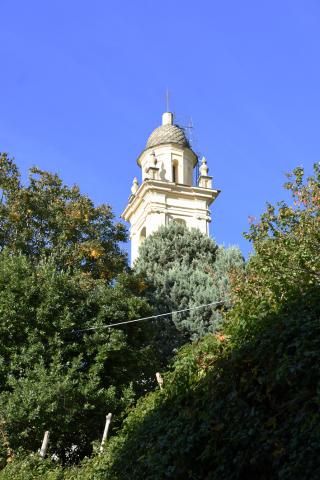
[(83, 84)]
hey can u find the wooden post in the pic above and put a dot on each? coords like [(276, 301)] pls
[(159, 380), (44, 445), (105, 432)]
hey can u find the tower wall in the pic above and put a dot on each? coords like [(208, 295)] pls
[(166, 157)]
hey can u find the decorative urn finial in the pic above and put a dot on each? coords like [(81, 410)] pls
[(204, 170), (135, 186)]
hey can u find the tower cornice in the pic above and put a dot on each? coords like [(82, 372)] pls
[(167, 188)]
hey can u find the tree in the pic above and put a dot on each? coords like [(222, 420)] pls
[(186, 269), (49, 218), (56, 375), (286, 267), (62, 272)]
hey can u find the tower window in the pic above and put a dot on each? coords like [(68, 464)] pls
[(175, 173)]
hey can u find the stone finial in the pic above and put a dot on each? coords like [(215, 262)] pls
[(135, 186), (204, 180), (152, 171), (167, 118), (204, 170)]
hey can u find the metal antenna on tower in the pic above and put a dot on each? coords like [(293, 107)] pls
[(193, 142), (190, 130)]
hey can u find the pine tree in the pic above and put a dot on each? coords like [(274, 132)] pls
[(185, 269)]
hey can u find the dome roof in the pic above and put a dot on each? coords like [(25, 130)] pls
[(168, 134)]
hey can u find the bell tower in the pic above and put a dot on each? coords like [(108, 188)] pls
[(166, 192)]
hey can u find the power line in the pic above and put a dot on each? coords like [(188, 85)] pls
[(148, 318)]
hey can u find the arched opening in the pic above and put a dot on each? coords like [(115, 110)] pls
[(142, 235), (175, 172)]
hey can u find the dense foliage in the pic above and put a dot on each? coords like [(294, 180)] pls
[(185, 269), (55, 377), (54, 374), (242, 403), (286, 266), (32, 467)]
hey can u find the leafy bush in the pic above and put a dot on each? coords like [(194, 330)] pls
[(31, 467), (229, 412)]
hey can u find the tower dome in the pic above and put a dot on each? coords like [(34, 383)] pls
[(167, 133)]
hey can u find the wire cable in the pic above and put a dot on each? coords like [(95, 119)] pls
[(148, 318)]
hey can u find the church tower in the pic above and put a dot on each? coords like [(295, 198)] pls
[(167, 192)]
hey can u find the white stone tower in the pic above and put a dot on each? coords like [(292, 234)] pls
[(167, 192)]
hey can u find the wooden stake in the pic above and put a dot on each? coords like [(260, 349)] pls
[(105, 432), (44, 445), (159, 380)]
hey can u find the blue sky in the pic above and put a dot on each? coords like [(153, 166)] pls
[(83, 84)]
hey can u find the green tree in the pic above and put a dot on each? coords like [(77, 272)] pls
[(62, 271), (56, 375), (286, 266), (47, 217), (184, 269)]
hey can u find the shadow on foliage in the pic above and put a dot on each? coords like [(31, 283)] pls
[(254, 413)]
